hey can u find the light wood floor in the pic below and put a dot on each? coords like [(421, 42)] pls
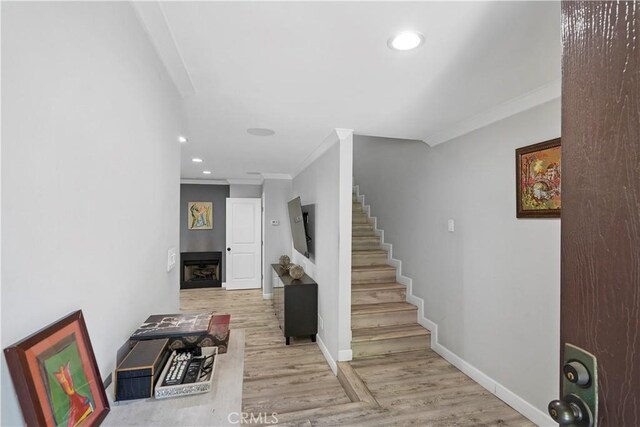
[(415, 388)]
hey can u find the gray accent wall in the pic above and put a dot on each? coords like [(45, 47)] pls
[(205, 240), (493, 285)]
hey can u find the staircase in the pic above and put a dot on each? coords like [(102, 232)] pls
[(382, 321)]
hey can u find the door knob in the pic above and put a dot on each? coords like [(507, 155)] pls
[(570, 411), (228, 249)]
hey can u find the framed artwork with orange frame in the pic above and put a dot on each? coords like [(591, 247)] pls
[(56, 377)]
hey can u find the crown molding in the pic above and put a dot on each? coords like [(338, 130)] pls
[(154, 21), (276, 176), (336, 135), (204, 181), (538, 96), (244, 181)]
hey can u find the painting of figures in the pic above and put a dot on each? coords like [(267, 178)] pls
[(200, 216)]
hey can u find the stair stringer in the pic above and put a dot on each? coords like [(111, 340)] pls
[(400, 278)]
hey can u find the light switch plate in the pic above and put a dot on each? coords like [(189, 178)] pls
[(171, 259), (451, 226)]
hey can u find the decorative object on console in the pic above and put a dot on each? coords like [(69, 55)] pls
[(194, 377), (56, 377), (187, 330), (138, 372), (200, 216), (296, 272), (538, 170), (284, 260)]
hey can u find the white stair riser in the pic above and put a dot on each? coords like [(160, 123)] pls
[(391, 318), (379, 296), (373, 276), (392, 345)]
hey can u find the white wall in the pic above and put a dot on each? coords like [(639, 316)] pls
[(277, 238), (493, 285), (245, 191), (90, 175), (327, 182)]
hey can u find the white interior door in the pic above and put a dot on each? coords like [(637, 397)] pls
[(244, 245)]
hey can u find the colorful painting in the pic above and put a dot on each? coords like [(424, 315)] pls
[(200, 216), (56, 376), (538, 179)]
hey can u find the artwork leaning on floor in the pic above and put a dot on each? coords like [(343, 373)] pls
[(538, 178), (200, 216), (56, 377)]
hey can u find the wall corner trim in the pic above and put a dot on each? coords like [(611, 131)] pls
[(345, 355), (525, 408), (526, 101), (325, 352)]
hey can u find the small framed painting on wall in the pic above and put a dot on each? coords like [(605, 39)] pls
[(200, 216), (538, 179)]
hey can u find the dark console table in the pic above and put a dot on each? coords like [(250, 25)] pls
[(295, 302)]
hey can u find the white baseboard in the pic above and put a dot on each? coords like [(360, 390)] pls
[(501, 392), (267, 296), (509, 397), (345, 355), (323, 348), (224, 284)]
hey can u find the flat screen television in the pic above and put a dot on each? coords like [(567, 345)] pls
[(300, 231)]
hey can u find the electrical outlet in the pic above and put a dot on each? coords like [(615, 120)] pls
[(451, 226)]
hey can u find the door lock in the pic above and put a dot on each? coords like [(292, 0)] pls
[(579, 406), (575, 372)]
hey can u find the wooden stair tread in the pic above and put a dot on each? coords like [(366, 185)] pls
[(376, 286), (368, 252), (378, 267), (365, 309), (388, 332)]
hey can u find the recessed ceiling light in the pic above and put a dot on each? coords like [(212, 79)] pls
[(182, 139), (206, 172), (406, 41), (196, 160), (260, 131)]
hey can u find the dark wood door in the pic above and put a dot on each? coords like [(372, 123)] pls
[(601, 198)]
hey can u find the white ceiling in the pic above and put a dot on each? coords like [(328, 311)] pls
[(304, 68)]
